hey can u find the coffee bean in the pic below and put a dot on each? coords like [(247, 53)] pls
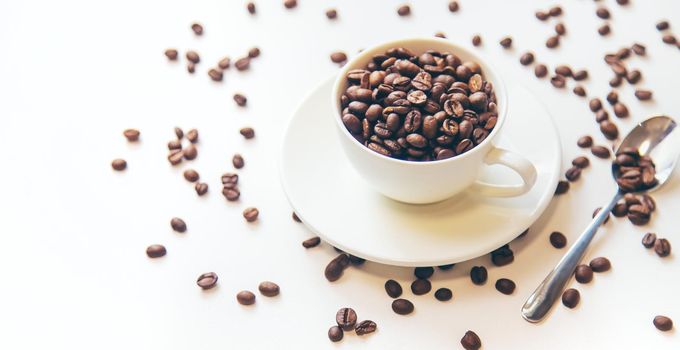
[(564, 71), (663, 323), (669, 39), (643, 95), (311, 242), (178, 225), (639, 49), (247, 133), (555, 11), (197, 28), (502, 256), (595, 104), (583, 274), (192, 135), (191, 67), (601, 115), (201, 188), (335, 334), (240, 100), (193, 57), (573, 173), (570, 298), (581, 162), (446, 267), (132, 135), (421, 286), (600, 151), (237, 161), (602, 12), (562, 187), (231, 194), (662, 25), (453, 6), (542, 16), (269, 289), (579, 90), (552, 42), (336, 267), (346, 318), (254, 52), (662, 247), (365, 327), (402, 306), (251, 8), (338, 57), (600, 264), (612, 97), (171, 54), (404, 10), (620, 210), (633, 76), (251, 214), (648, 240), (505, 286), (604, 30), (331, 13), (560, 29), (615, 81), (558, 81), (585, 141), (207, 280), (622, 2), (290, 4), (423, 272), (175, 157), (558, 240), (620, 110), (476, 40), (471, 341), (245, 297), (506, 42), (540, 70), (155, 251), (609, 130), (443, 294), (478, 275), (174, 145), (191, 175), (580, 75), (242, 64), (393, 288), (190, 153), (119, 164), (526, 59)]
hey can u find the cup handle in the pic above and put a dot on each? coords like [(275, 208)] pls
[(514, 161)]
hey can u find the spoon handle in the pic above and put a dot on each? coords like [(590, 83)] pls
[(540, 302)]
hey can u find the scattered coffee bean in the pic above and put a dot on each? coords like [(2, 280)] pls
[(560, 29), (604, 30), (197, 28), (453, 6), (558, 81), (633, 76), (585, 141), (174, 145), (421, 286), (193, 57), (609, 130), (423, 272), (583, 274), (119, 164), (620, 210), (240, 100), (155, 251), (237, 161), (540, 70), (558, 240), (247, 133), (615, 81), (332, 14), (476, 40), (404, 10), (365, 327), (573, 173), (290, 4), (178, 225), (502, 256), (622, 2), (338, 57), (662, 247), (251, 8), (562, 187), (542, 16), (506, 42), (579, 90), (471, 341), (663, 323), (132, 135), (555, 11), (393, 288), (311, 242), (336, 267), (639, 49), (612, 97), (603, 13), (192, 135), (648, 240), (600, 151), (478, 275), (643, 95), (581, 162), (600, 264), (171, 54), (662, 25), (242, 64), (269, 289), (224, 63), (245, 297), (190, 153), (175, 157), (564, 71), (215, 75), (443, 294), (446, 267), (231, 194), (254, 52), (505, 286), (402, 306), (207, 280), (335, 334), (601, 115), (201, 188), (669, 39), (571, 297), (356, 261), (251, 214), (191, 175), (596, 211), (595, 104), (191, 67), (179, 133), (552, 42), (526, 59), (346, 318), (580, 75)]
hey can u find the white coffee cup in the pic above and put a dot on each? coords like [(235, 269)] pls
[(432, 181)]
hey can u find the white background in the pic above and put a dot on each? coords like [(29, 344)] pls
[(75, 74)]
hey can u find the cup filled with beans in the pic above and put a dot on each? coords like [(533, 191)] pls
[(417, 119)]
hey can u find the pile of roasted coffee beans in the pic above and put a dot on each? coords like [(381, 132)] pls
[(419, 107), (347, 321)]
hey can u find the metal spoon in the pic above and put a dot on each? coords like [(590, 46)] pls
[(653, 137)]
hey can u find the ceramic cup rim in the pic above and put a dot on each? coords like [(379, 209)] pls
[(489, 73)]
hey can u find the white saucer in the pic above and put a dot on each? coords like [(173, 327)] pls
[(336, 204)]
